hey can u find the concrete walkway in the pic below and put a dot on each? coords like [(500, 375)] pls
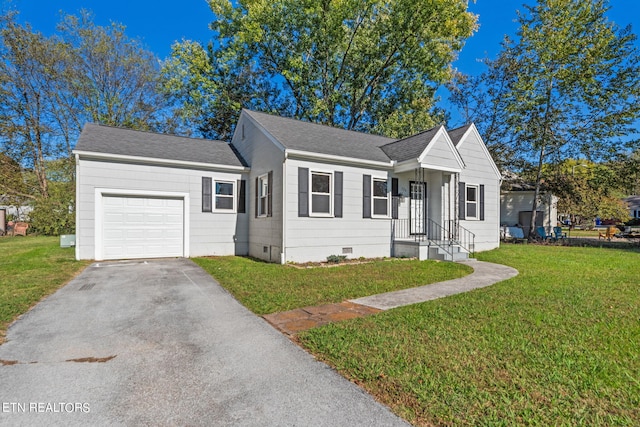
[(484, 274)]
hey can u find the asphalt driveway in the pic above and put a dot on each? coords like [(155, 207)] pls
[(161, 343)]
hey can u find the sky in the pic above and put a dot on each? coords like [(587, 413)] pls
[(160, 23)]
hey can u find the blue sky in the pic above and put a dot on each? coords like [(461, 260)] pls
[(160, 23)]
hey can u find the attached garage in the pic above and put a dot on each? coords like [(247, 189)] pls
[(145, 195), (142, 227)]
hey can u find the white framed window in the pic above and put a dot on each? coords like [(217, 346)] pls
[(263, 195), (224, 196), (471, 202), (321, 189), (380, 197)]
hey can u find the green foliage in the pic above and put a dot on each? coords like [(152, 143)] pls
[(49, 88), (568, 86), (556, 345), (32, 268), (209, 88), (587, 190), (372, 65), (110, 78), (55, 215), (336, 259)]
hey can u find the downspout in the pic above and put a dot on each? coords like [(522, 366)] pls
[(283, 253), (77, 156)]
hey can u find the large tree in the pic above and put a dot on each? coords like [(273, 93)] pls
[(51, 85), (570, 85), (369, 65)]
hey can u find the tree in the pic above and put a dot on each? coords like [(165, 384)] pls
[(587, 190), (51, 86), (369, 65), (111, 79), (572, 87), (209, 88)]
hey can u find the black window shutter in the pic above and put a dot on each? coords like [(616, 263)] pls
[(257, 197), (303, 192), (337, 194), (206, 194), (481, 202), (242, 196), (366, 196), (395, 198), (462, 198), (269, 193)]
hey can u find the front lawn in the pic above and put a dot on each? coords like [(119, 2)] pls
[(31, 268), (268, 288), (557, 345)]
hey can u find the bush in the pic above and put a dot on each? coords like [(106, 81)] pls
[(335, 259), (54, 215)]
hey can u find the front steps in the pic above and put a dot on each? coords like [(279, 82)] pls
[(429, 249)]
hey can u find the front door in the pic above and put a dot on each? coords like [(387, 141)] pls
[(418, 208)]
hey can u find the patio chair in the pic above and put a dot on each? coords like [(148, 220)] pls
[(543, 234), (20, 228), (608, 234), (558, 234)]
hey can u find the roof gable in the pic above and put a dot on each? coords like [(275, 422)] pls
[(468, 133), (107, 140), (411, 147), (432, 149), (315, 138)]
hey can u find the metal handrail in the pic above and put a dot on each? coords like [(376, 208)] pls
[(442, 236)]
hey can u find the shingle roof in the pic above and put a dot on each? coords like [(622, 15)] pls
[(457, 134), (110, 140), (321, 139), (411, 147)]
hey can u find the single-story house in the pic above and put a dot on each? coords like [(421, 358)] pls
[(285, 190)]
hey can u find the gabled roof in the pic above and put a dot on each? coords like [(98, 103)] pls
[(321, 139), (411, 147), (457, 133), (107, 140)]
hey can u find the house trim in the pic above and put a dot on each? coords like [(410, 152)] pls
[(306, 155), (159, 162), (101, 192)]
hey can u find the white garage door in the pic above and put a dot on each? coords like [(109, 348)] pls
[(142, 227)]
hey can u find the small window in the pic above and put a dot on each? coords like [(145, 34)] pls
[(380, 197), (471, 202), (224, 196), (321, 193), (263, 195)]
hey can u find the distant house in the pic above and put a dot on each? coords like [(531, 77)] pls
[(516, 204), (285, 190), (634, 206)]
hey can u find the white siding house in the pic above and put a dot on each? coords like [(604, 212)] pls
[(285, 190)]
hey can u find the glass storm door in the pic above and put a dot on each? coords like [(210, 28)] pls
[(418, 207)]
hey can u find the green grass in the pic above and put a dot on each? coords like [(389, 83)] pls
[(268, 288), (32, 268), (556, 345)]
